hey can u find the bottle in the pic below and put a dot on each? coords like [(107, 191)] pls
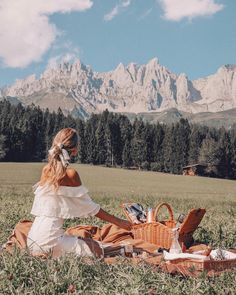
[(149, 215), (180, 220), (175, 247)]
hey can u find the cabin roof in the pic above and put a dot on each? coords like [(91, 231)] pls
[(194, 165)]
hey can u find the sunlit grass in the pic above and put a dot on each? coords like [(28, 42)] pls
[(110, 187)]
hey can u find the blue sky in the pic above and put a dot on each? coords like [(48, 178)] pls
[(191, 36)]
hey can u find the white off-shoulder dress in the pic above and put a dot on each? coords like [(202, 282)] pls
[(50, 209)]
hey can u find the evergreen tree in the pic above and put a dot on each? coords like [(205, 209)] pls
[(209, 151), (169, 148), (126, 135), (196, 137), (114, 142), (157, 149), (101, 142), (182, 136), (26, 135), (2, 147), (59, 122), (210, 155), (48, 123), (82, 144), (233, 153), (90, 139), (224, 154), (138, 143), (149, 138)]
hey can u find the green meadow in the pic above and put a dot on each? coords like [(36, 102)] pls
[(23, 274)]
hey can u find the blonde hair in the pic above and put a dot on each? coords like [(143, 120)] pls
[(54, 171)]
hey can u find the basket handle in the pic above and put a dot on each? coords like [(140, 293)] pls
[(168, 208)]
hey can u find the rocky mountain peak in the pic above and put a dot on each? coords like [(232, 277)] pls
[(153, 62), (76, 88)]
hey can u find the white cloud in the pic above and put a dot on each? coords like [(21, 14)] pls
[(176, 10), (117, 9), (26, 31), (54, 61), (126, 3), (71, 55), (145, 14), (110, 15)]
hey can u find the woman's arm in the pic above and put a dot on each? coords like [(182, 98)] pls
[(112, 219)]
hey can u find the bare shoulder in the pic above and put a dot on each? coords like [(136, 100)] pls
[(72, 177)]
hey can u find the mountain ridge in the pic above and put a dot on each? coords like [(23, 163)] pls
[(133, 88)]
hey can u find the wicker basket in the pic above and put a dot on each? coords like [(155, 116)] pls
[(192, 267), (160, 232)]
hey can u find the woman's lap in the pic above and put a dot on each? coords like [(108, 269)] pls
[(68, 244)]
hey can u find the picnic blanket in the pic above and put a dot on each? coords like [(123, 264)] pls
[(115, 237), (108, 234)]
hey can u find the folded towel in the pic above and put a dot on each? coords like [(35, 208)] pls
[(217, 254), (172, 256)]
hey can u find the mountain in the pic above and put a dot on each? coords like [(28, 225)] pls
[(217, 119), (79, 90)]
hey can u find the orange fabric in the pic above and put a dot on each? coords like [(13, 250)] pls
[(109, 233), (18, 237), (112, 234)]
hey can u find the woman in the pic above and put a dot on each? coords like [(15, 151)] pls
[(59, 195)]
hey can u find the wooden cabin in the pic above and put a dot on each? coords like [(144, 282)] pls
[(195, 170)]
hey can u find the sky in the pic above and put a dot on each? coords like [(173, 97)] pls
[(194, 37)]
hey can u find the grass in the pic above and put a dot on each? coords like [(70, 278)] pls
[(23, 274)]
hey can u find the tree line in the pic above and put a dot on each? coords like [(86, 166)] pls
[(111, 139)]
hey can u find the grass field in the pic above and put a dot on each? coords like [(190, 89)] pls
[(22, 274)]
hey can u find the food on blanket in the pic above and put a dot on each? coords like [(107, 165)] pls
[(175, 247), (197, 248), (207, 252)]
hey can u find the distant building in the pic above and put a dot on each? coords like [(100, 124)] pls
[(209, 170), (195, 170)]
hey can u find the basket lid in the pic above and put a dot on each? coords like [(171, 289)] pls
[(192, 221)]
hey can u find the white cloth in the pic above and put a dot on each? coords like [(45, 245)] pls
[(50, 208), (173, 256), (220, 254), (214, 255), (66, 202)]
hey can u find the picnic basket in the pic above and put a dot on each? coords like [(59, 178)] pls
[(193, 267), (160, 232)]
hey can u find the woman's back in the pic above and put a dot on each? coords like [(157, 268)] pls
[(51, 207)]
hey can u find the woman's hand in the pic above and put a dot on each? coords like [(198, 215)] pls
[(125, 224), (115, 220)]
